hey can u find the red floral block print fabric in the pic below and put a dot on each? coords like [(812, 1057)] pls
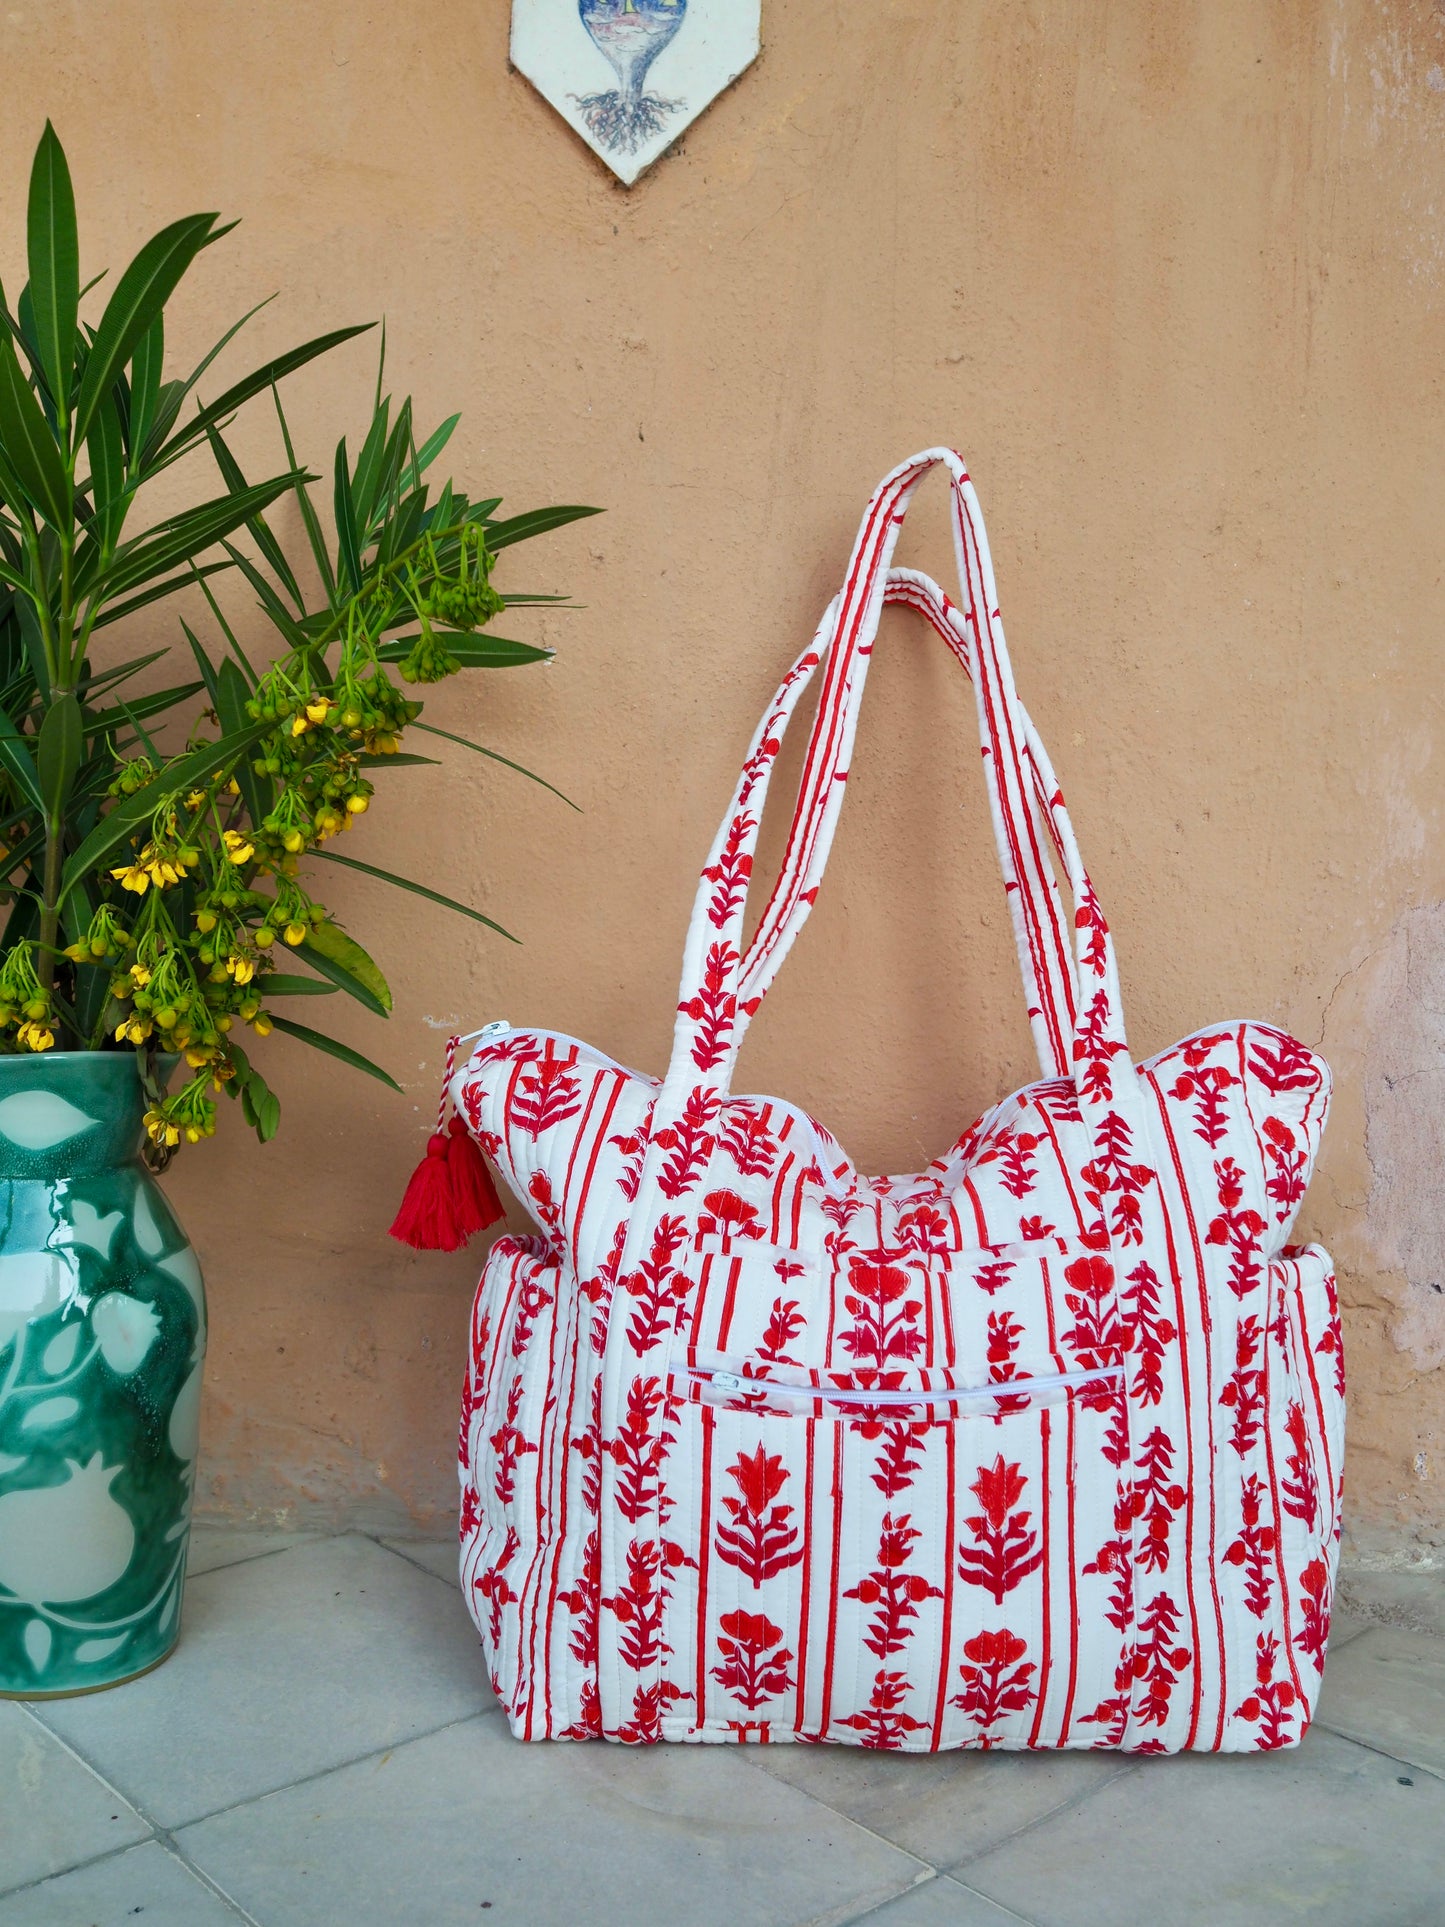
[(1039, 1447)]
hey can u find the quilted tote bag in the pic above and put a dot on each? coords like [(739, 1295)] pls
[(1038, 1447)]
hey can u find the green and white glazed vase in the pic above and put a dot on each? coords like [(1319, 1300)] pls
[(102, 1336)]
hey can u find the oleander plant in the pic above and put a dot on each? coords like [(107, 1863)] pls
[(161, 844)]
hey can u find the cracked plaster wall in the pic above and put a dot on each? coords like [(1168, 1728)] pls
[(1172, 277)]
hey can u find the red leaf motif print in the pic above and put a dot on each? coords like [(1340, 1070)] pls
[(748, 1141), (598, 1289), (1206, 1085), (726, 1215), (896, 1466), (1004, 1334), (1288, 1067), (992, 1277), (1006, 1549), (584, 1599), (1314, 1602), (785, 1321), (730, 873), (633, 1146), (1158, 1660), (897, 1594), (1286, 1183), (1157, 1498), (690, 1141), (1114, 1175), (639, 1604), (545, 1096), (1238, 1228), (1032, 1229), (1088, 916), (1094, 1048), (993, 1682), (1150, 1333), (1243, 1391), (1253, 1550), (639, 1449), (754, 1661), (510, 1446), (882, 1723), (494, 1586), (656, 1285), (644, 1728), (885, 1318), (1299, 1488), (759, 1541), (713, 1007), (1271, 1704)]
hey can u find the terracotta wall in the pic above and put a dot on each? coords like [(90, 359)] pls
[(1173, 277)]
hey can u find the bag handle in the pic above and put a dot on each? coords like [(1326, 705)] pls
[(1078, 1029), (1044, 945)]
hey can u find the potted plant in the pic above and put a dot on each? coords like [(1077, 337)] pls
[(156, 888)]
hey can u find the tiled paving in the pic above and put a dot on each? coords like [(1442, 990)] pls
[(324, 1751)]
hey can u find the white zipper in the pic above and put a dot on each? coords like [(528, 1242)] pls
[(735, 1386)]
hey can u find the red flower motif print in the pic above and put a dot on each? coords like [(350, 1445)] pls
[(897, 1594), (993, 1682), (1097, 1335), (644, 1728), (1032, 1229), (994, 1276), (759, 1541), (1007, 1550), (713, 1007), (726, 1215), (882, 1723), (748, 1141), (588, 1724), (545, 1096), (1238, 1228), (1253, 1550), (754, 1661), (1271, 1704), (924, 1229), (884, 1316)]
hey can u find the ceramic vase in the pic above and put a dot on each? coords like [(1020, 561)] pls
[(102, 1337)]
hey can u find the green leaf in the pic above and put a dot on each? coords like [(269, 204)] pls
[(531, 775), (186, 535), (343, 1052), (429, 450), (233, 692), (105, 445), (30, 448), (18, 761), (521, 528), (53, 252), (242, 391), (320, 554), (145, 386), (400, 760), (153, 704), (473, 652), (140, 295), (58, 753), (348, 540), (114, 829), (280, 984), (117, 611), (256, 525), (417, 890), (108, 678), (342, 960)]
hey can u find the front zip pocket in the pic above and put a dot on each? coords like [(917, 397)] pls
[(821, 1395)]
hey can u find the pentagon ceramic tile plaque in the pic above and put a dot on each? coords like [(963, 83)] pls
[(631, 75)]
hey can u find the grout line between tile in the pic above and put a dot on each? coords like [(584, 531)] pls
[(1380, 1752), (1080, 1799), (453, 1579), (876, 1907), (1025, 1920), (161, 1835), (250, 1558)]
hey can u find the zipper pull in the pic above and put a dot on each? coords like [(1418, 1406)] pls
[(726, 1382), (486, 1033)]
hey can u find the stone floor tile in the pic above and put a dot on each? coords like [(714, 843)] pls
[(1387, 1688), (1331, 1833), (944, 1808), (441, 1556), (937, 1903), (146, 1887), (287, 1666), (53, 1811), (551, 1835), (215, 1546), (1412, 1601)]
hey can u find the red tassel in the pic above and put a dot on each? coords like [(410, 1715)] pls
[(429, 1218), (477, 1206)]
